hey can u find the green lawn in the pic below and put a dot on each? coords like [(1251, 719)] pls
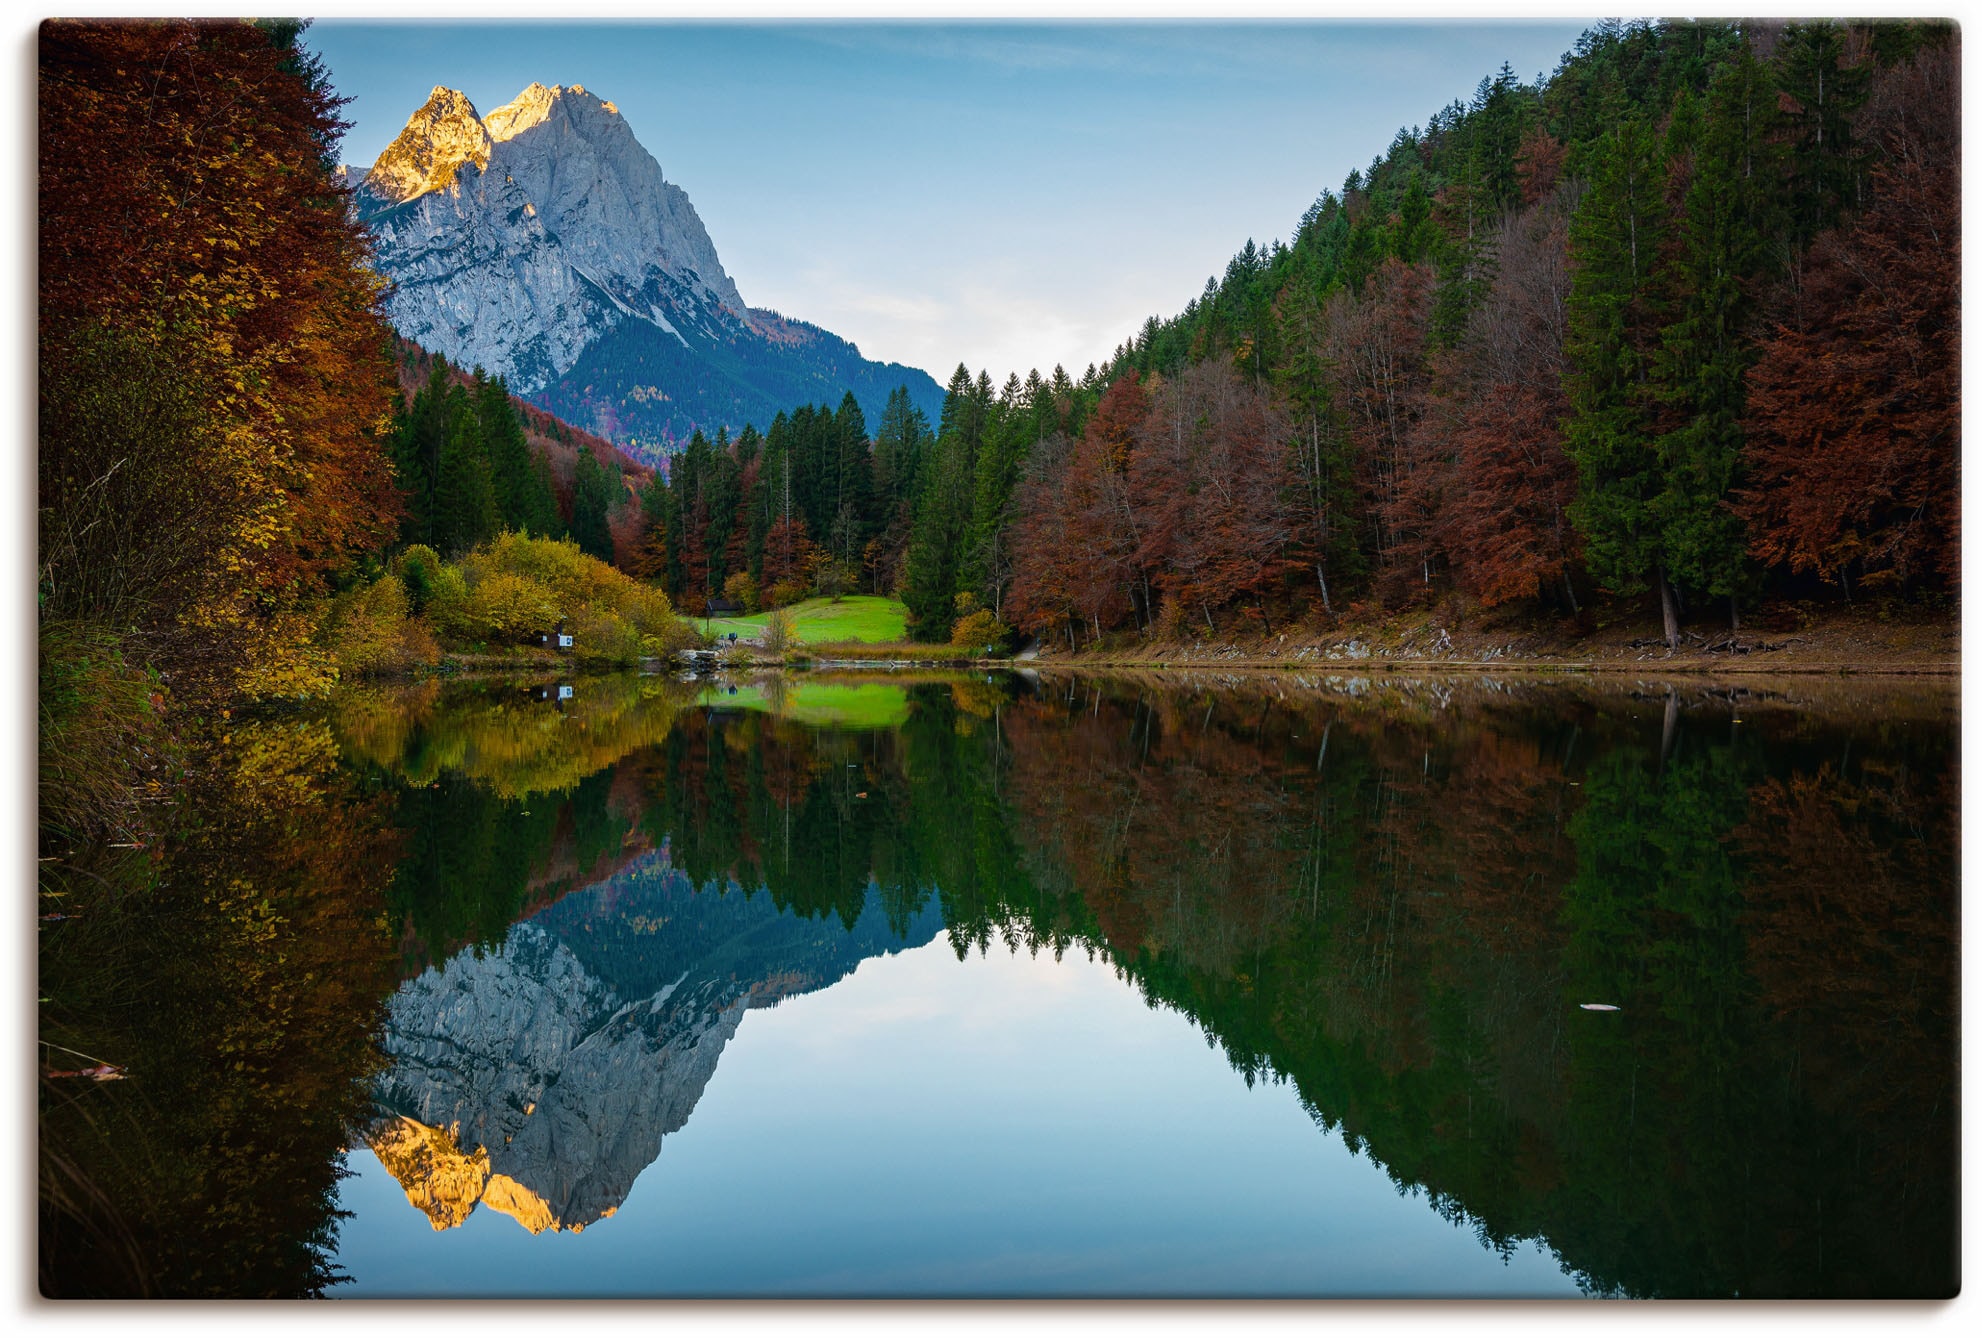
[(837, 705), (854, 618)]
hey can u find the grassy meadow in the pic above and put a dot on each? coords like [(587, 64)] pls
[(821, 621)]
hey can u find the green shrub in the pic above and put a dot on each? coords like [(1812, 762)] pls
[(418, 568)]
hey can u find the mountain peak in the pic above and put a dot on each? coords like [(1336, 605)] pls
[(537, 104), (529, 108), (544, 234), (442, 135)]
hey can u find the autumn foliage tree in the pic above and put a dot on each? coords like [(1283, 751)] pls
[(1076, 541), (1376, 343), (214, 384), (1509, 531), (1854, 419), (1212, 483)]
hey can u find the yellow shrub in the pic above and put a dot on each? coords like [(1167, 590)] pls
[(740, 588), (507, 607), (516, 588), (979, 631), (370, 630), (603, 636), (447, 603)]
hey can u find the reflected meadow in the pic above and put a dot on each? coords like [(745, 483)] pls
[(903, 986)]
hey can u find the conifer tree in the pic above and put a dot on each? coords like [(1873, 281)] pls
[(419, 436), (720, 486), (853, 521), (595, 489), (465, 508), (1615, 237), (1706, 348), (522, 482), (1825, 158), (942, 528)]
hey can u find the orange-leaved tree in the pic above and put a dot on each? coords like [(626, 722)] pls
[(214, 378), (1854, 405)]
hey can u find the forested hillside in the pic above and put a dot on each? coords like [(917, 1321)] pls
[(475, 461), (1681, 319)]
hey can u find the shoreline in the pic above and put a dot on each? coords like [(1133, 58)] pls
[(1534, 668), (1758, 666)]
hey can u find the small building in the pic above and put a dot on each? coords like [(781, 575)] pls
[(724, 607)]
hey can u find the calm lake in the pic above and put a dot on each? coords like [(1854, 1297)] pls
[(969, 985)]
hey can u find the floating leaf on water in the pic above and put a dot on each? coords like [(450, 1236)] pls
[(101, 1072), (1598, 1008)]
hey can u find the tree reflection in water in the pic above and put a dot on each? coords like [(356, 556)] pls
[(1394, 897)]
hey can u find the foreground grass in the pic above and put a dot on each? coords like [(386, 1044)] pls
[(864, 618)]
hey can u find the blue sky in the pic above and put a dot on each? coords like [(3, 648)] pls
[(1003, 195)]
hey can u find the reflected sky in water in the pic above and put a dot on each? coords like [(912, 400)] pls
[(1007, 1124)]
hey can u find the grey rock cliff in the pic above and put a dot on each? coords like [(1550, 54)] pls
[(562, 1087), (516, 240)]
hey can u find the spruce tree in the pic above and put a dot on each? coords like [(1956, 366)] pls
[(594, 490), (1705, 350), (942, 525), (421, 434), (1826, 161), (721, 484), (523, 493), (1615, 238), (465, 509), (1008, 436), (854, 516)]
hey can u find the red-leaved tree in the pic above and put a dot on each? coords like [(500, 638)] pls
[(1854, 418)]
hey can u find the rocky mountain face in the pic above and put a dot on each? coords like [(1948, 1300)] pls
[(539, 1079), (542, 243)]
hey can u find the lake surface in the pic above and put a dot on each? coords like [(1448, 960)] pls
[(969, 985)]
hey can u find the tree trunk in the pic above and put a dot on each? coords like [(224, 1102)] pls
[(1733, 614), (1670, 609), (1671, 725), (1323, 582), (1569, 589)]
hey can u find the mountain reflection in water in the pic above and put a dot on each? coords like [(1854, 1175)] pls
[(1392, 897), (561, 1058)]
